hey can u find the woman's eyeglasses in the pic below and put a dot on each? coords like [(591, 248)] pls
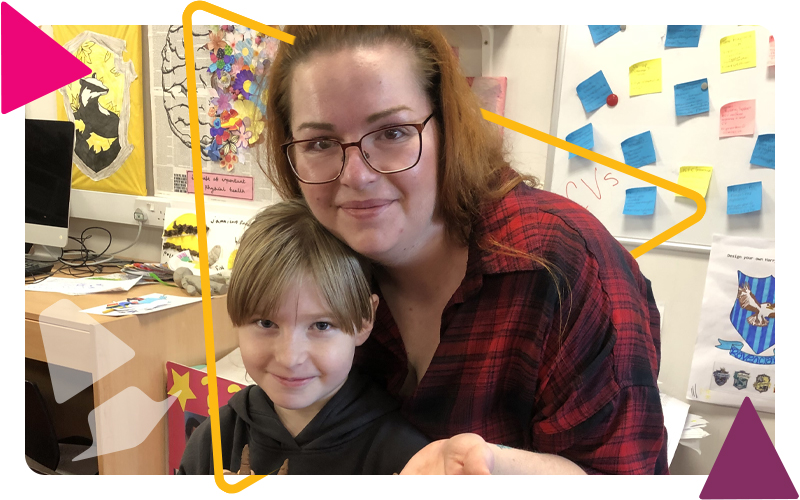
[(387, 150)]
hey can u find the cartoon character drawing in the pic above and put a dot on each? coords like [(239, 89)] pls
[(762, 383), (721, 376), (97, 141), (740, 379)]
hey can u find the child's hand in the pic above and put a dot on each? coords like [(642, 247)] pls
[(461, 454)]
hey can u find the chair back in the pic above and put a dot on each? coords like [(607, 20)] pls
[(41, 442)]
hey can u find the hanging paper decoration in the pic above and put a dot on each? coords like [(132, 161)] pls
[(106, 108), (231, 69), (240, 60)]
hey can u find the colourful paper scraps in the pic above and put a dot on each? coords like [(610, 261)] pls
[(691, 98), (593, 91), (695, 178), (771, 57), (737, 52), (640, 201), (645, 77), (737, 118), (602, 31), (638, 150), (687, 35), (583, 137), (764, 152), (744, 198)]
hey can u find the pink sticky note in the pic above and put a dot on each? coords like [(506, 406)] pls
[(771, 58), (229, 186), (737, 118)]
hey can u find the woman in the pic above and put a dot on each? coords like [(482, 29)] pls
[(512, 327)]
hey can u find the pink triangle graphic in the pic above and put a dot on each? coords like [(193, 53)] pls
[(748, 465), (63, 68)]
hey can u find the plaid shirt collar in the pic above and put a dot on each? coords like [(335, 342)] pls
[(499, 224)]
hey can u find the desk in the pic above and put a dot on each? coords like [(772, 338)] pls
[(170, 335)]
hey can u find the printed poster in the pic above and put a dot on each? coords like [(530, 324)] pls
[(734, 355)]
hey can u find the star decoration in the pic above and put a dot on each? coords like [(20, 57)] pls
[(180, 388)]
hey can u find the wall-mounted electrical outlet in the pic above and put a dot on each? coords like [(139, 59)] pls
[(153, 208)]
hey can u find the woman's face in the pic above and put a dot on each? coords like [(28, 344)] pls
[(344, 96)]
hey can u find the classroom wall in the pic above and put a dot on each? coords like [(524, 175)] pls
[(527, 55)]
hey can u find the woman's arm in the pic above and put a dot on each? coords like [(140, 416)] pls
[(470, 454)]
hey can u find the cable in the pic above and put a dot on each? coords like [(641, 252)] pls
[(89, 254)]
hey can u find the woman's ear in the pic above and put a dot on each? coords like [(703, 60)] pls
[(363, 335)]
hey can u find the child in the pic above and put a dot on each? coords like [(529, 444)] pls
[(301, 300)]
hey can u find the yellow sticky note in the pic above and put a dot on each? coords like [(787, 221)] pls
[(737, 52), (645, 77), (695, 178)]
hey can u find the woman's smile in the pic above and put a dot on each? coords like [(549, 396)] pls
[(367, 209)]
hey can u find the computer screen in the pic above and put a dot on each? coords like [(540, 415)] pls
[(48, 181)]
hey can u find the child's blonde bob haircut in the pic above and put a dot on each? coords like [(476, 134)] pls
[(285, 244)]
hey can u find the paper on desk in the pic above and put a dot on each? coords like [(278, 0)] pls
[(675, 412), (693, 444), (83, 286), (145, 304)]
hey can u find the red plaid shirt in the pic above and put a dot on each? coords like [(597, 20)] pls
[(574, 376)]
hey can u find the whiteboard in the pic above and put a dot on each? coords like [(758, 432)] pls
[(679, 141)]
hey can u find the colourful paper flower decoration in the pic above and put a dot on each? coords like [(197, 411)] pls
[(244, 137), (244, 81), (238, 66), (248, 110), (229, 161), (233, 38), (245, 48), (215, 41), (212, 150), (212, 111), (223, 102)]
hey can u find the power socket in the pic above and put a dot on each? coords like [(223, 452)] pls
[(153, 209)]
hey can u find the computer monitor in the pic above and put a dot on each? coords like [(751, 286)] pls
[(48, 182)]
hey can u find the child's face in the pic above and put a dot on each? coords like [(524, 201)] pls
[(300, 357)]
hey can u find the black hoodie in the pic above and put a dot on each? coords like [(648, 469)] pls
[(359, 431)]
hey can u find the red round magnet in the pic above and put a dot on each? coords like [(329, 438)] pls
[(612, 100)]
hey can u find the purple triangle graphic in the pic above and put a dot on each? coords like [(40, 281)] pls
[(63, 68), (748, 444)]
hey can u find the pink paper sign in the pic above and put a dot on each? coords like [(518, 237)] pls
[(229, 186), (737, 118), (771, 58)]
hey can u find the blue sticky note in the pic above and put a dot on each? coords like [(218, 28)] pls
[(593, 91), (685, 35), (583, 137), (638, 150), (602, 31), (690, 98), (763, 153), (744, 198), (640, 201)]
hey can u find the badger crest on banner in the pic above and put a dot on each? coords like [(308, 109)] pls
[(753, 316)]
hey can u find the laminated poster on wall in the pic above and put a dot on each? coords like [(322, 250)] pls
[(106, 107), (734, 355)]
